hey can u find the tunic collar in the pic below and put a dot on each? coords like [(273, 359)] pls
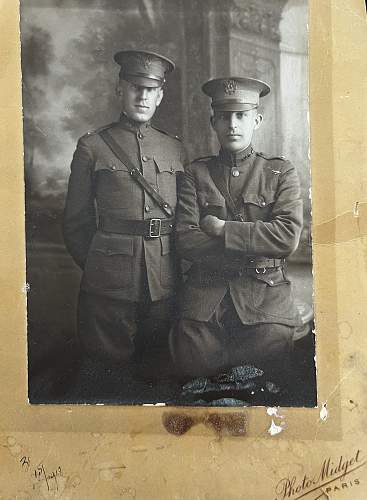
[(235, 159), (129, 124)]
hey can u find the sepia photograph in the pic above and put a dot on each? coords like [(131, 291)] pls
[(168, 202)]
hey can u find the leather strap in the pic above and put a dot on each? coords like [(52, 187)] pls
[(217, 177), (150, 228), (263, 263), (255, 263), (259, 265), (135, 172)]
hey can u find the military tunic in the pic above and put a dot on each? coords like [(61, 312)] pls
[(237, 301), (120, 268)]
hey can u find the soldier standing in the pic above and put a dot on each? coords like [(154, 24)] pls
[(119, 218), (239, 215)]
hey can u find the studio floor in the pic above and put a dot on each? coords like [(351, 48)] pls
[(65, 377)]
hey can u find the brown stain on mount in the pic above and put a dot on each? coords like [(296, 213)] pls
[(230, 424), (177, 423)]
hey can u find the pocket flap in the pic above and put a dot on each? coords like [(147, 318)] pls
[(210, 199), (110, 164), (112, 245), (168, 165), (272, 278), (261, 200)]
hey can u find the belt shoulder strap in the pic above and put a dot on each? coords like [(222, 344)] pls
[(135, 172), (219, 181)]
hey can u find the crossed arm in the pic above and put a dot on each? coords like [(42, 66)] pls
[(210, 237)]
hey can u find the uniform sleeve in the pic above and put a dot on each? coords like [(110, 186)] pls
[(79, 223), (280, 236), (192, 243), (184, 157)]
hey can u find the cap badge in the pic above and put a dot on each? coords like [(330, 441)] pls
[(230, 86), (143, 60)]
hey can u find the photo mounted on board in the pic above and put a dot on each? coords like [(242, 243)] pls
[(168, 214)]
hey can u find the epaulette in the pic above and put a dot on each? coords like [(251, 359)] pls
[(166, 133), (271, 157), (104, 127)]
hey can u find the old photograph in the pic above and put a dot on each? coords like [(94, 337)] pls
[(168, 202)]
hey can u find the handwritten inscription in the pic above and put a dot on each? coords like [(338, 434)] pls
[(40, 473), (25, 463), (331, 470)]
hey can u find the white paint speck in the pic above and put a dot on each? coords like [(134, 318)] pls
[(274, 412), (154, 404), (324, 413), (274, 428), (26, 288), (356, 209)]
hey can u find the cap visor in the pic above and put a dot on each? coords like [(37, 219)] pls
[(142, 81), (233, 106)]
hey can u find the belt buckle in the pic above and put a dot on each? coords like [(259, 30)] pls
[(260, 270), (155, 228)]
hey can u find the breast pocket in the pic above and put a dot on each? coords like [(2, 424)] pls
[(211, 204), (111, 166), (167, 172), (258, 206), (110, 262), (114, 186)]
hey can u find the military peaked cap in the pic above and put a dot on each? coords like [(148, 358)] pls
[(235, 93), (144, 68)]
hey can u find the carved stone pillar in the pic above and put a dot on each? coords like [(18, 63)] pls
[(231, 37), (196, 70), (254, 51)]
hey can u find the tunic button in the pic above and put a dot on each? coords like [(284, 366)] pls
[(206, 204), (147, 208), (235, 172), (145, 158), (113, 167), (263, 203), (140, 135), (271, 282)]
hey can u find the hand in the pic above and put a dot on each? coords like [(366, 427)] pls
[(212, 226)]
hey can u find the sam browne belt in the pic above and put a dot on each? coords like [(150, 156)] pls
[(136, 174), (150, 228), (258, 265)]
